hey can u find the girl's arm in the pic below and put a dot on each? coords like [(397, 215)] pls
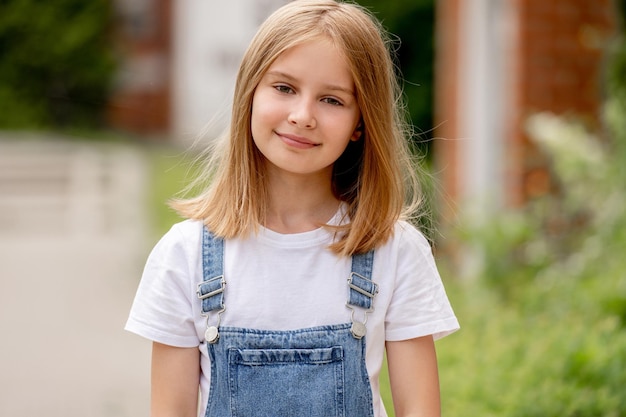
[(175, 380), (414, 377)]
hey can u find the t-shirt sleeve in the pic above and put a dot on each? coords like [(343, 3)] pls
[(162, 309), (419, 305)]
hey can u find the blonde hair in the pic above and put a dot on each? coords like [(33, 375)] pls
[(375, 176)]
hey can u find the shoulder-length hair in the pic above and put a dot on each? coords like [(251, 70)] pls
[(375, 175)]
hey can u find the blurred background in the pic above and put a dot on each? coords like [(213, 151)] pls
[(519, 111)]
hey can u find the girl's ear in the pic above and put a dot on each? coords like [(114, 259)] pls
[(358, 132)]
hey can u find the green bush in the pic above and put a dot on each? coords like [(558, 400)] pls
[(555, 351), (545, 323), (412, 23), (55, 64)]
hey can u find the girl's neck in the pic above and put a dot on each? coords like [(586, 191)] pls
[(299, 205)]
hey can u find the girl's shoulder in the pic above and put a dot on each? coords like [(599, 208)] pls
[(408, 246), (187, 227), (184, 229), (181, 236), (405, 233)]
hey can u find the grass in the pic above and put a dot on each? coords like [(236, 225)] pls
[(171, 171)]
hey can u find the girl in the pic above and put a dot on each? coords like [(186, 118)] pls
[(294, 273)]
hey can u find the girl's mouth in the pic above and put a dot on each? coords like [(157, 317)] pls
[(296, 141)]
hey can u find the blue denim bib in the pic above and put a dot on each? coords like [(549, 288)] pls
[(315, 372)]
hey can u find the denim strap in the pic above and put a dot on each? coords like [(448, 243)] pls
[(211, 289), (362, 288)]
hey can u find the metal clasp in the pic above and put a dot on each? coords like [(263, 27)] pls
[(211, 334), (209, 283), (358, 328), (360, 290)]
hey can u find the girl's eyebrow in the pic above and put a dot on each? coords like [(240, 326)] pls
[(333, 87)]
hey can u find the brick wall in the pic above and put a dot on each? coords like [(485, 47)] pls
[(555, 64), (560, 56)]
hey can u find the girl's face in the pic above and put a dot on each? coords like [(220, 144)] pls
[(304, 110)]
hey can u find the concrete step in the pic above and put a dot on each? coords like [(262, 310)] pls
[(70, 189)]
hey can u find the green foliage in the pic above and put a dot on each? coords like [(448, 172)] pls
[(539, 338), (615, 109), (413, 23), (55, 62), (544, 323), (564, 357)]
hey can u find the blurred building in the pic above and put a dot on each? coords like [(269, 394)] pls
[(178, 63), (497, 62), (141, 100)]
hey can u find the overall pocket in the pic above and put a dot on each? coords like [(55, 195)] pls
[(287, 382)]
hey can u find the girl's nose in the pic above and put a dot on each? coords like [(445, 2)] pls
[(302, 115)]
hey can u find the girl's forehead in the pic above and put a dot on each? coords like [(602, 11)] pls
[(318, 58), (320, 48), (322, 41)]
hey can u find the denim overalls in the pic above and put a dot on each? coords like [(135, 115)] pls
[(315, 372)]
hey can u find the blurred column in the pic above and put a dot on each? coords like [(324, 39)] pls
[(472, 99)]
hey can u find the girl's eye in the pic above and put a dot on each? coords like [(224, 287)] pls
[(332, 101), (283, 88)]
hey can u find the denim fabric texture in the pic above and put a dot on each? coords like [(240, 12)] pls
[(316, 372), (212, 266)]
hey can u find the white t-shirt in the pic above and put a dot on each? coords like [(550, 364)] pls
[(284, 282)]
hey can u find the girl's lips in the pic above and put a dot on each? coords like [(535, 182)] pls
[(296, 141)]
